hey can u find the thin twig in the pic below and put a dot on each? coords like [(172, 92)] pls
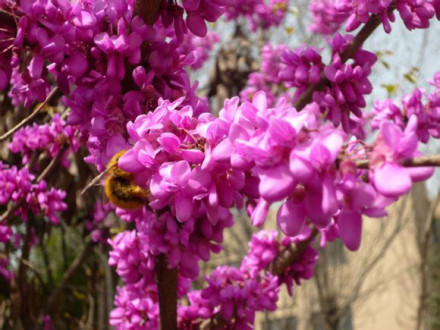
[(37, 272), (30, 117), (431, 160), (7, 13), (7, 49), (49, 168)]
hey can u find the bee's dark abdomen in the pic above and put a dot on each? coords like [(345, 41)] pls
[(124, 193)]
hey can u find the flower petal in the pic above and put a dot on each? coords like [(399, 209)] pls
[(291, 218), (350, 229)]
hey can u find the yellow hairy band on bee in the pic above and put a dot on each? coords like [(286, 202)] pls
[(120, 188), (112, 165)]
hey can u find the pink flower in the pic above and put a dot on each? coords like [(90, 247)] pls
[(391, 178)]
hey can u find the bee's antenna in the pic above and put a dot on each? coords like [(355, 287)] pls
[(94, 181)]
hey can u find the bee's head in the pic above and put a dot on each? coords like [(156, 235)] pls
[(114, 169)]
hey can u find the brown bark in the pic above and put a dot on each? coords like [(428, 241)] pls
[(166, 280)]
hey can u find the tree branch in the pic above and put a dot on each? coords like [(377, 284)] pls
[(30, 117), (148, 10), (166, 280), (431, 160), (290, 254), (348, 53)]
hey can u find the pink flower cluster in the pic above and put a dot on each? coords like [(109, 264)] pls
[(197, 49), (136, 308), (393, 145), (198, 12), (282, 69), (84, 48), (414, 13), (295, 158), (131, 257), (300, 68), (270, 74), (173, 157), (349, 82), (327, 18), (16, 184), (47, 137), (264, 248), (260, 13), (425, 106), (233, 296), (98, 225)]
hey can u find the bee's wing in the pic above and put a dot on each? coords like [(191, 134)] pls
[(94, 181)]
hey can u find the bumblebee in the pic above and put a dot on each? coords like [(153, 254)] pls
[(119, 186)]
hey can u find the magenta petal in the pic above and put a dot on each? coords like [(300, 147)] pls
[(223, 150), (238, 161), (194, 156), (191, 4), (180, 172), (420, 173), (77, 64), (129, 162), (197, 25), (225, 193), (276, 183), (364, 196), (350, 229), (313, 206), (36, 66), (300, 168), (260, 101), (329, 201), (84, 20), (281, 131), (103, 41), (320, 156), (392, 180), (391, 134), (170, 143), (260, 213), (145, 159), (407, 145), (183, 207), (290, 218), (333, 141)]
